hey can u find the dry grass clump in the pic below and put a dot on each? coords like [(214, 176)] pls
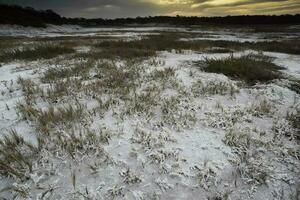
[(294, 119), (40, 51), (53, 93), (81, 69), (56, 92), (61, 88), (205, 175), (262, 107), (295, 86), (250, 165), (78, 143), (162, 75), (18, 159), (251, 68), (115, 191), (57, 132), (16, 155), (147, 139), (143, 103), (253, 153), (115, 77), (30, 90), (214, 87), (129, 177), (52, 117), (109, 78), (162, 79), (177, 113), (226, 118)]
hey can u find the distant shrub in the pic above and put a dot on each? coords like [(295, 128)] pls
[(250, 68)]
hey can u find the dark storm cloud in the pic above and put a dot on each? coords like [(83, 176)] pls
[(93, 8), (133, 8)]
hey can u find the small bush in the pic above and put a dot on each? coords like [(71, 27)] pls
[(250, 68)]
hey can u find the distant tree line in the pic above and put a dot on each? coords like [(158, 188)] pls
[(11, 14), (27, 16)]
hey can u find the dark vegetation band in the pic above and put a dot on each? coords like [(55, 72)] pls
[(27, 16)]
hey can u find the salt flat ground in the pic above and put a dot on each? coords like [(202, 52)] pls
[(136, 113)]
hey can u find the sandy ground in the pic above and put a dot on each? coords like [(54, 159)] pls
[(185, 158)]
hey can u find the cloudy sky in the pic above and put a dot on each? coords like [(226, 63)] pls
[(133, 8)]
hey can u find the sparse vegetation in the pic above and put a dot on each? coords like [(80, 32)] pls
[(148, 46), (285, 46), (118, 119), (41, 51), (79, 70)]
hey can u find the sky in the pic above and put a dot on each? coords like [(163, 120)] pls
[(134, 8)]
